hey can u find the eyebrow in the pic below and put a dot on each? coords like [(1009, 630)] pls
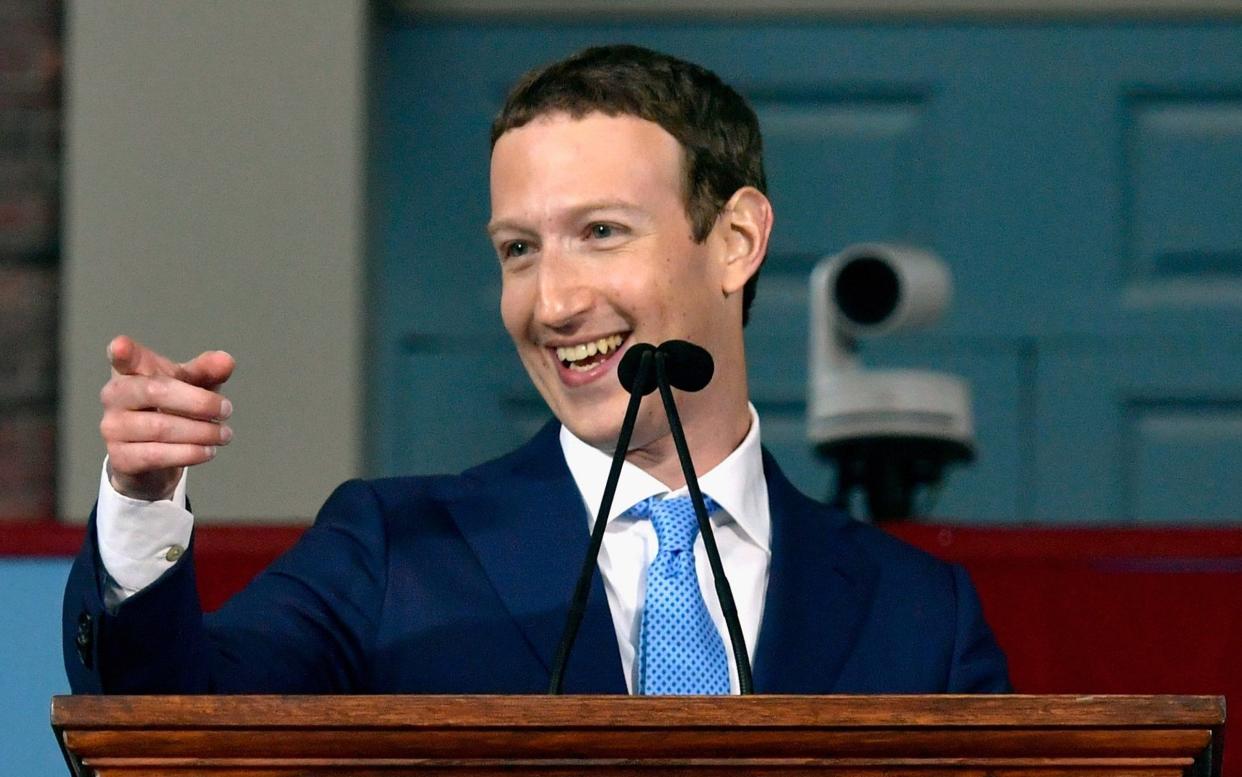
[(573, 214)]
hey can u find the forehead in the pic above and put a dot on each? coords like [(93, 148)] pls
[(559, 160)]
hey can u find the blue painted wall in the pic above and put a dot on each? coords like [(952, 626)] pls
[(31, 667), (1082, 180)]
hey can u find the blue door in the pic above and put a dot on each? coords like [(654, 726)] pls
[(1082, 181)]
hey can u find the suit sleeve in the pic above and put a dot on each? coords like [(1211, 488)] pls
[(978, 665), (305, 625)]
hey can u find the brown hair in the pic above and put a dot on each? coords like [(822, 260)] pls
[(717, 129)]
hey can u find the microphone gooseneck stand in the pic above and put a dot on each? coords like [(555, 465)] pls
[(724, 592), (638, 374), (688, 367)]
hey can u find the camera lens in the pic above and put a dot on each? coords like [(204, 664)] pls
[(867, 290)]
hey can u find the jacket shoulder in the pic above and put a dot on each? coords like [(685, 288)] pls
[(868, 544), (896, 556), (431, 494)]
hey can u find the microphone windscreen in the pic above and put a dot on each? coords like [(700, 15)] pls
[(627, 370), (689, 366)]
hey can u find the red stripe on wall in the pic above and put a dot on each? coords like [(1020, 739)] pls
[(226, 557), (1115, 610)]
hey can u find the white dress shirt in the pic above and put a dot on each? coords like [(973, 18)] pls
[(742, 528), (140, 540)]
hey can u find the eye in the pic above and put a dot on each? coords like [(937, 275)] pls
[(514, 249), (602, 231)]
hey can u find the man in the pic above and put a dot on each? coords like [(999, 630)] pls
[(628, 206)]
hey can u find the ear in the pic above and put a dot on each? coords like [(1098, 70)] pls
[(745, 224)]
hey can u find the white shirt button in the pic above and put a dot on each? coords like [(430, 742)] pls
[(173, 553)]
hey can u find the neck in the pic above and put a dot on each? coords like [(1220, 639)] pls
[(715, 421), (710, 437)]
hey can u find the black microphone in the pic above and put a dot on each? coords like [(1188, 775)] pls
[(635, 374), (686, 366), (627, 370), (689, 368)]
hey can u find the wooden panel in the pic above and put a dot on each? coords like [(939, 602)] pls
[(900, 10), (636, 735), (640, 713), (1000, 374), (1184, 236), (1140, 432), (844, 165), (1080, 179), (477, 389), (701, 766), (1181, 460), (651, 741)]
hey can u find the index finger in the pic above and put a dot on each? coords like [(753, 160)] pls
[(128, 357)]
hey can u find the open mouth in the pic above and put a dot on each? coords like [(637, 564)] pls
[(584, 357)]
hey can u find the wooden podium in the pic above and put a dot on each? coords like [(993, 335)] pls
[(281, 736)]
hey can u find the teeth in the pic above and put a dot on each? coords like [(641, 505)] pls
[(576, 353)]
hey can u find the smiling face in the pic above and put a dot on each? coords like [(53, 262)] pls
[(596, 254)]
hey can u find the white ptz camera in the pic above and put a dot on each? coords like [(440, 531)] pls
[(888, 431)]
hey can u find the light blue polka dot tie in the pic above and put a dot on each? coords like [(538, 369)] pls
[(679, 648)]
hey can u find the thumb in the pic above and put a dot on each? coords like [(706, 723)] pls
[(209, 369)]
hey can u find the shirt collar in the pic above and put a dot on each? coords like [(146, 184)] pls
[(737, 483)]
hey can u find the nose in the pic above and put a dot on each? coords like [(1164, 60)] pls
[(564, 293)]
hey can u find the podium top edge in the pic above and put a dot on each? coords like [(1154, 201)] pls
[(409, 712)]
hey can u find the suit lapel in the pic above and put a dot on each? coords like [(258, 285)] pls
[(820, 588), (523, 517)]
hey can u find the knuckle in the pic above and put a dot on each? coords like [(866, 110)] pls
[(207, 405), (160, 427), (200, 405), (147, 457), (154, 392)]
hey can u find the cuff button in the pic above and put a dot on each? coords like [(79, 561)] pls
[(173, 553)]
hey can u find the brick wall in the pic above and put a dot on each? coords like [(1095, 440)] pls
[(30, 121)]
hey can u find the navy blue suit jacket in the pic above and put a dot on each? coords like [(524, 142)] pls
[(461, 584)]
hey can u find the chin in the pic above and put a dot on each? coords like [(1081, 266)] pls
[(649, 427), (599, 423), (598, 432)]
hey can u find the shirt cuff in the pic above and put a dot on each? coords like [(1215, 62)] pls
[(140, 540)]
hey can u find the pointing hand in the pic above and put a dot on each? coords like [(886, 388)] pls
[(160, 416)]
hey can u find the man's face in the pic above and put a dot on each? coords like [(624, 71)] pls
[(596, 254)]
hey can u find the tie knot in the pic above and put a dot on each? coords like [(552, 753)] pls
[(675, 523)]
